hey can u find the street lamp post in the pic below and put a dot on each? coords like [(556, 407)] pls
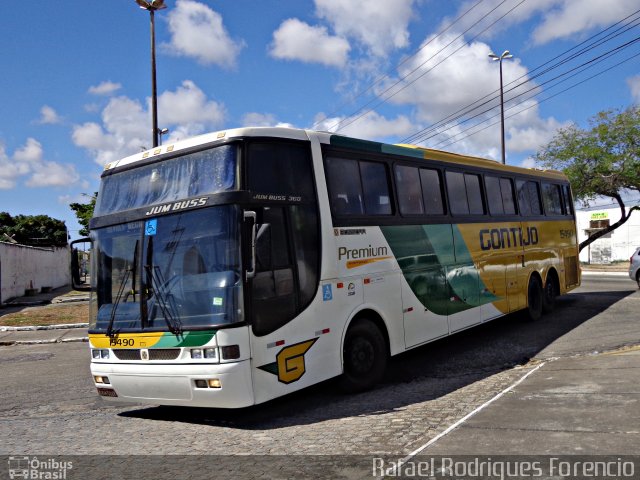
[(152, 6), (505, 55)]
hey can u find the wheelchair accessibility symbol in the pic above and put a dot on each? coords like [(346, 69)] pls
[(151, 227), (327, 294)]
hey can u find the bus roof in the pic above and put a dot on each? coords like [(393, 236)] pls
[(333, 139)]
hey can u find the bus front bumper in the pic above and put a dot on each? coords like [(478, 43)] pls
[(162, 384)]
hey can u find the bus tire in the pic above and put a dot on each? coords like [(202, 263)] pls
[(364, 356), (550, 294), (535, 300)]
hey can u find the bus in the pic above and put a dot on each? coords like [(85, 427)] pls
[(235, 267)]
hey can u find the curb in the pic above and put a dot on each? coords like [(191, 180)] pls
[(44, 342), (40, 303), (62, 326), (605, 273)]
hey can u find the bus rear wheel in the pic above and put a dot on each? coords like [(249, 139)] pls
[(534, 299), (550, 294), (364, 357)]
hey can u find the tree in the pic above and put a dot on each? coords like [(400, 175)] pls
[(36, 230), (84, 212), (603, 160)]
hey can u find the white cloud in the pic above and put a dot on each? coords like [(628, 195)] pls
[(48, 116), (105, 88), (197, 32), (446, 85), (126, 125), (447, 88), (371, 126), (379, 26), (9, 170), (634, 86), (296, 40), (528, 162), (553, 19), (528, 132), (571, 17), (53, 174), (28, 160), (125, 129), (189, 106), (254, 119), (30, 153)]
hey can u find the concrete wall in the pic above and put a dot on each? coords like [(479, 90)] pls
[(23, 267), (618, 245)]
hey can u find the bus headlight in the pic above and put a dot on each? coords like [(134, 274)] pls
[(98, 353), (211, 353), (196, 353)]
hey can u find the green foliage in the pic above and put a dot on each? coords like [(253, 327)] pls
[(84, 212), (36, 230), (601, 160)]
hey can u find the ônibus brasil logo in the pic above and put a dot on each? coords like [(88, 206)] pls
[(34, 468)]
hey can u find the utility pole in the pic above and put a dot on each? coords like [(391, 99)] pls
[(152, 6), (494, 57)]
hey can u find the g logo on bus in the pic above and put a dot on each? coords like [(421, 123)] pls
[(289, 365)]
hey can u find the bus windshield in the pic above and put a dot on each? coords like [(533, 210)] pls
[(208, 171), (174, 272)]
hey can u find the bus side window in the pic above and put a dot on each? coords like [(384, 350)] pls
[(409, 190), (552, 199), (465, 196), (432, 191), (529, 198), (343, 176), (568, 203), (500, 195), (375, 185)]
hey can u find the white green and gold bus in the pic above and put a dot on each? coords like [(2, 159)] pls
[(239, 266)]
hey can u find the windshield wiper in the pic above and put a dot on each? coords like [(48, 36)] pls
[(165, 301), (110, 332)]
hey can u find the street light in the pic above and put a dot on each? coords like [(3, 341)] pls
[(505, 55), (152, 6)]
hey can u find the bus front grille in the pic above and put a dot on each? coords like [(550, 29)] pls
[(154, 353), (164, 354), (127, 353)]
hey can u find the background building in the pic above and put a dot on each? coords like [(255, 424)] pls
[(618, 245)]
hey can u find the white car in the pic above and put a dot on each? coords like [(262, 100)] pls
[(634, 266)]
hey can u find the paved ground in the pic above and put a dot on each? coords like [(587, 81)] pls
[(580, 400)]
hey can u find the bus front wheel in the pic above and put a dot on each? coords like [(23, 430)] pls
[(364, 357), (534, 299)]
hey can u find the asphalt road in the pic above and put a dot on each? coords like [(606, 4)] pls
[(48, 404)]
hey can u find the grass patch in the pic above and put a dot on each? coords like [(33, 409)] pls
[(47, 315)]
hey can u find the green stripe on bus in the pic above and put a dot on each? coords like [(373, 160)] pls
[(187, 339), (376, 147), (444, 281)]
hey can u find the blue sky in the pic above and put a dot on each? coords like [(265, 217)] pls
[(75, 82)]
